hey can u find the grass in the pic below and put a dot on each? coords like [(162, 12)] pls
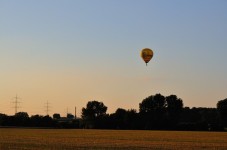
[(48, 139)]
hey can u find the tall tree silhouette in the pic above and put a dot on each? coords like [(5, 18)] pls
[(120, 118), (92, 113), (56, 116), (222, 109), (174, 109), (21, 119), (152, 111)]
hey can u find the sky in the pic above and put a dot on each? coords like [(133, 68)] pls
[(70, 52)]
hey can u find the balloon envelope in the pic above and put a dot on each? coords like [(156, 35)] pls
[(146, 54)]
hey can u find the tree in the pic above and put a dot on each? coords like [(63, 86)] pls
[(133, 119), (3, 118), (47, 121), (21, 119), (22, 115), (174, 103), (174, 109), (36, 120), (152, 103), (56, 116), (152, 111), (70, 116), (93, 113), (222, 109), (120, 118)]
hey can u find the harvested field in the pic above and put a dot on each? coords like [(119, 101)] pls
[(45, 139)]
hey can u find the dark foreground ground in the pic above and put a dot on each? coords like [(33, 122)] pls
[(61, 139)]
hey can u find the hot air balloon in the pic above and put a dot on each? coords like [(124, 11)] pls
[(146, 54)]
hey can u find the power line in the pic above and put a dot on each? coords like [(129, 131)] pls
[(16, 103), (67, 111), (47, 108), (75, 112)]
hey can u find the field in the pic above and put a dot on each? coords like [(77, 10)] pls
[(61, 139)]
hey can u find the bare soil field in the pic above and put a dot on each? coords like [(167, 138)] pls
[(64, 139)]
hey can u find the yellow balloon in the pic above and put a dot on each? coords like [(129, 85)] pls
[(146, 54)]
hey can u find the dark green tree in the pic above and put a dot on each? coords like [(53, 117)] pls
[(222, 109), (21, 119), (133, 119), (47, 121), (21, 115), (93, 114), (3, 118), (56, 116), (36, 120), (120, 118), (70, 116), (174, 109), (152, 111)]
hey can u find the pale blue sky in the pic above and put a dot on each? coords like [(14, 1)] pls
[(71, 52)]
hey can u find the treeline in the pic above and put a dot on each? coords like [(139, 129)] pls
[(156, 112)]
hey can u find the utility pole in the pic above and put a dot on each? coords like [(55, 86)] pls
[(16, 103), (47, 108), (75, 113), (67, 111)]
